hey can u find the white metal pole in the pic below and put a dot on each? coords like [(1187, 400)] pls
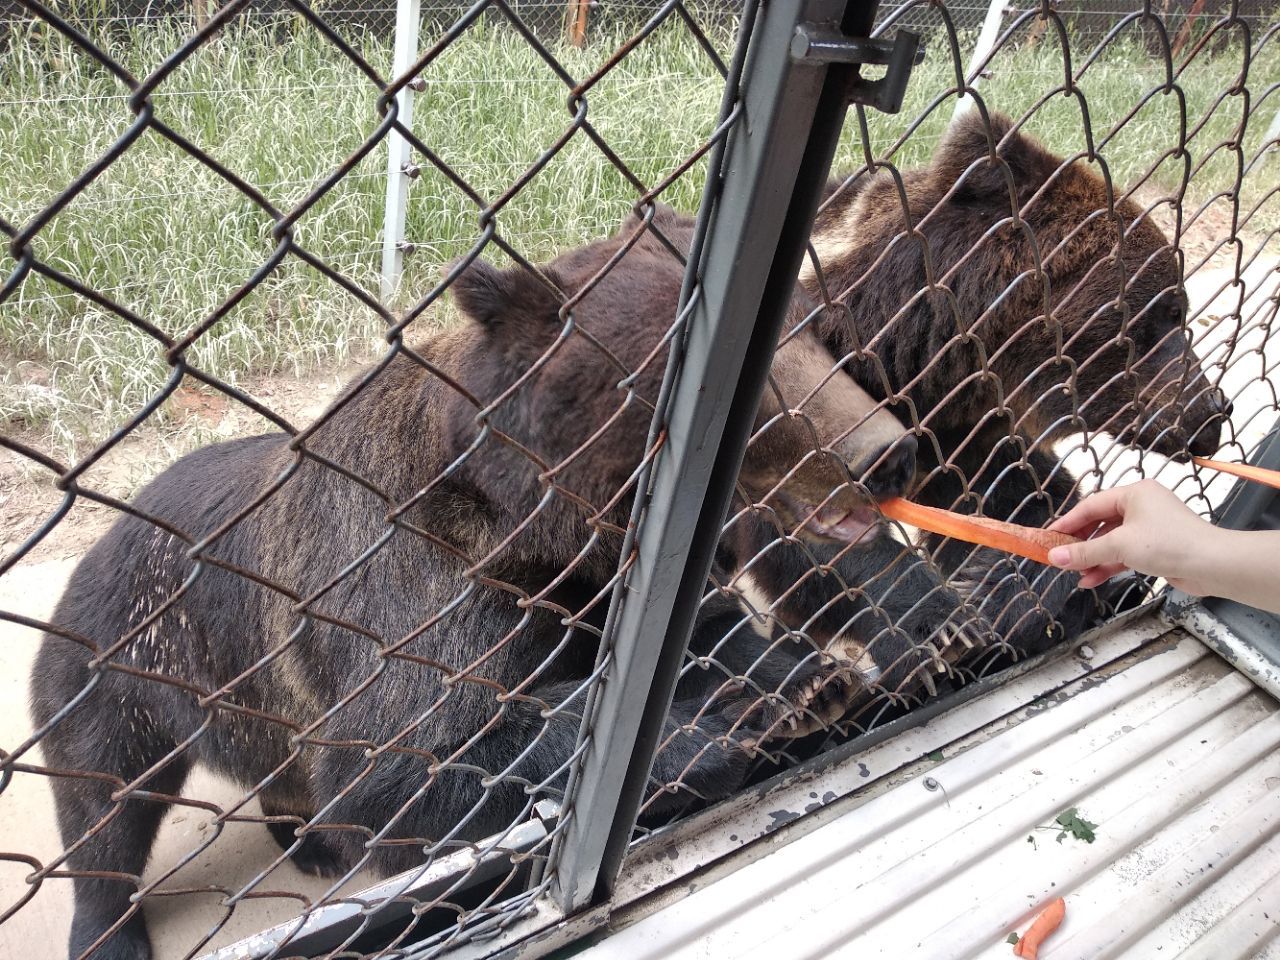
[(987, 38), (398, 150)]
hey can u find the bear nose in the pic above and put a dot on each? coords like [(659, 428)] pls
[(897, 465), (1207, 440)]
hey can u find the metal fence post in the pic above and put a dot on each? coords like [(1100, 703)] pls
[(576, 17), (987, 38), (773, 169), (408, 23)]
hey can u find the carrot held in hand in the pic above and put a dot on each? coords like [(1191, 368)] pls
[(1246, 470), (1049, 920), (1030, 542)]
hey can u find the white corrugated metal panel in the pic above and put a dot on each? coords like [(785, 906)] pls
[(1169, 751)]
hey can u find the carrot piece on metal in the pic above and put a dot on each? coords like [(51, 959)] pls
[(1030, 542), (1049, 920), (1249, 472)]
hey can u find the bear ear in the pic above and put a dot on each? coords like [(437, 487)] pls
[(665, 218), (491, 296), (966, 144)]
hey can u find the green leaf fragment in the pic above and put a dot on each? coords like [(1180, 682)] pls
[(1012, 938), (1075, 825)]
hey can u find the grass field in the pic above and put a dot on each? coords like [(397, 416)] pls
[(163, 235)]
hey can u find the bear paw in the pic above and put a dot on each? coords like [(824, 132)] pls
[(314, 856)]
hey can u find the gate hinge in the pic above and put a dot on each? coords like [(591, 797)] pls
[(824, 43)]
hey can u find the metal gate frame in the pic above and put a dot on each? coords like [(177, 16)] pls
[(758, 209)]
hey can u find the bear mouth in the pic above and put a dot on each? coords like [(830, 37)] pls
[(841, 525), (832, 522)]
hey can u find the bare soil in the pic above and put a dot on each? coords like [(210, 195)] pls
[(198, 415)]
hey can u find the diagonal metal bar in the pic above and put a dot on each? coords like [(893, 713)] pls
[(757, 222)]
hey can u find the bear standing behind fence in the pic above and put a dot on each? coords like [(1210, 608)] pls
[(389, 639), (1055, 308)]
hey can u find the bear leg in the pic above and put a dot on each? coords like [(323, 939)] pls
[(122, 845), (309, 852)]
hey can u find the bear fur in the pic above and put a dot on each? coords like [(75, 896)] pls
[(384, 627)]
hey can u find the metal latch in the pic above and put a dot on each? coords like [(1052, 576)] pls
[(824, 43)]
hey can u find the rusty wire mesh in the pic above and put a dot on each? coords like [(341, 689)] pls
[(1086, 19), (1068, 287), (1020, 331), (381, 625), (377, 17)]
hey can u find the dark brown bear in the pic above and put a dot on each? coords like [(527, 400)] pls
[(385, 629), (997, 337)]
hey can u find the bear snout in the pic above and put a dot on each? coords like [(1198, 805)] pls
[(1206, 441), (1206, 437), (1184, 424)]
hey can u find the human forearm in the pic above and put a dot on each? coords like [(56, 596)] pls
[(1242, 565)]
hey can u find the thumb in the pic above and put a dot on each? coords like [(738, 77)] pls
[(1108, 548)]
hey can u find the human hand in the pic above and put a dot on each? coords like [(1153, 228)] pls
[(1141, 527)]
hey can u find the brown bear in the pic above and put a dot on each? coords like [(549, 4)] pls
[(1009, 302), (384, 627)]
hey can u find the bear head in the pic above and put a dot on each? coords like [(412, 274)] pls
[(569, 361), (1003, 277)]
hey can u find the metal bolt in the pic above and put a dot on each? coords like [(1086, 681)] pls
[(931, 784), (820, 44), (405, 247), (417, 84), (411, 170)]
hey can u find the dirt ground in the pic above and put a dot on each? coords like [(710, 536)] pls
[(38, 930), (28, 499)]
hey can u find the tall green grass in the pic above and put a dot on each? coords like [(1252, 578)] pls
[(165, 236), (162, 234)]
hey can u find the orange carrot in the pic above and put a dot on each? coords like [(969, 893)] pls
[(1049, 920), (1257, 474), (1031, 542)]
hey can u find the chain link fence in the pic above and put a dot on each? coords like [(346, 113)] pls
[(371, 675), (388, 651), (1086, 19)]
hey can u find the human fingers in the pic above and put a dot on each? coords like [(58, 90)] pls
[(1086, 554), (1095, 576), (1102, 529)]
